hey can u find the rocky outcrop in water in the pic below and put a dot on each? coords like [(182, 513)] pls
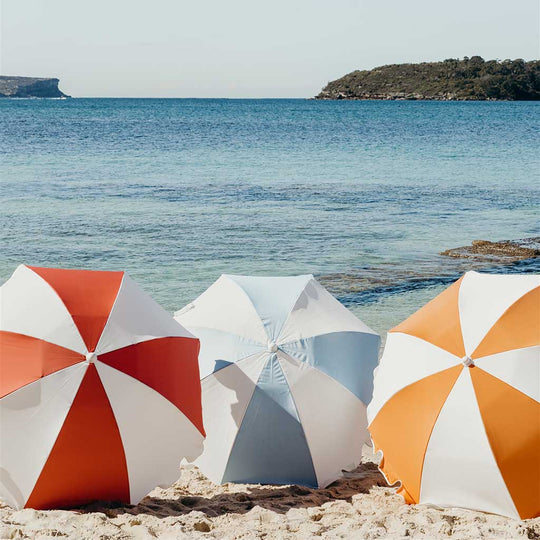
[(503, 251), (29, 87), (468, 79)]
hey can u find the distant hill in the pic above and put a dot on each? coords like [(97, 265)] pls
[(468, 79), (25, 87)]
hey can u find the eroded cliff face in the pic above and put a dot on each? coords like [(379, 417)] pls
[(27, 87)]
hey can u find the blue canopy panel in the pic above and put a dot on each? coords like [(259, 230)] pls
[(348, 357), (221, 349), (270, 446), (273, 298)]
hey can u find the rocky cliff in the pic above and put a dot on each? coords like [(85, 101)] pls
[(26, 87), (468, 79)]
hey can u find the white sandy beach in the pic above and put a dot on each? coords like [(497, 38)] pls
[(359, 506)]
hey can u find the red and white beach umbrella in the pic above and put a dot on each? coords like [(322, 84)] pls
[(99, 390)]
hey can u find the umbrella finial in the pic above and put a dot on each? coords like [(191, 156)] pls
[(467, 361)]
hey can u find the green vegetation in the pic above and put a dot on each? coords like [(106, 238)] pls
[(468, 79)]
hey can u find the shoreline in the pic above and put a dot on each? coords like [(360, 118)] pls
[(359, 505)]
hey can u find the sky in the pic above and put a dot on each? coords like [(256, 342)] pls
[(247, 48)]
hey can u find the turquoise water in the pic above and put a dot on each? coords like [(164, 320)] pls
[(177, 192)]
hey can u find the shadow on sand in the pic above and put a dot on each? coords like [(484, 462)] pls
[(278, 499)]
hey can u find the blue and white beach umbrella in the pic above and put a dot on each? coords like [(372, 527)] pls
[(287, 373)]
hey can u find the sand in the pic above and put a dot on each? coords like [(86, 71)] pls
[(358, 506)]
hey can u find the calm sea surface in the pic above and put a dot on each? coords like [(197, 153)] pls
[(176, 192)]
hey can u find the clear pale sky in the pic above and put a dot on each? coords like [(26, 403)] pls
[(247, 48)]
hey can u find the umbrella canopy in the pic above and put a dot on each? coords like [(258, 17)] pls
[(456, 408), (99, 390), (286, 375)]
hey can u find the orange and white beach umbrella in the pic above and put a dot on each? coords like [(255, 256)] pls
[(99, 390), (456, 407)]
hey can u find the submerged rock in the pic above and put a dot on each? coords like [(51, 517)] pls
[(372, 283)]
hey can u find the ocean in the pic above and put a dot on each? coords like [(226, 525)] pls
[(362, 194)]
